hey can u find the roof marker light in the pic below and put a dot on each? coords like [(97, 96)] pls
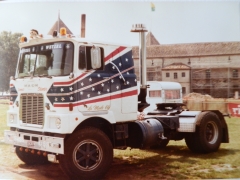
[(63, 31), (23, 39)]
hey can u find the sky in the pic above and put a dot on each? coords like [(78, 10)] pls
[(172, 22)]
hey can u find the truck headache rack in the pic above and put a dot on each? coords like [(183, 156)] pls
[(32, 108)]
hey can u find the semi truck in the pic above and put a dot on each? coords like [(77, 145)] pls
[(73, 101)]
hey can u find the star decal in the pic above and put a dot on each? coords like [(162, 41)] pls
[(88, 88)]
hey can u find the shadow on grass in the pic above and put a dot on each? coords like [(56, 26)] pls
[(171, 162), (164, 164)]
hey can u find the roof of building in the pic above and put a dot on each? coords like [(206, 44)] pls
[(56, 27), (151, 40), (190, 49), (176, 66)]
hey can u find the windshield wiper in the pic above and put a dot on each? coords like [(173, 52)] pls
[(19, 77)]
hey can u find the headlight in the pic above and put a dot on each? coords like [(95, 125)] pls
[(58, 123)]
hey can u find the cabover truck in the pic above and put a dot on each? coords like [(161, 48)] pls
[(73, 101)]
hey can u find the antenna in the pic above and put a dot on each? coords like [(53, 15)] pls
[(58, 21)]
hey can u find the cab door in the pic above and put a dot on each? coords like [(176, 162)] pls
[(94, 87)]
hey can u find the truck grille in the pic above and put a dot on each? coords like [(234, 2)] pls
[(32, 109)]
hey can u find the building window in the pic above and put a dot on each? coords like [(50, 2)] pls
[(183, 74), (208, 74), (235, 73), (175, 75), (150, 76), (184, 90), (167, 74)]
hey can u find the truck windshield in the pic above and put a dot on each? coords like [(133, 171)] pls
[(52, 59)]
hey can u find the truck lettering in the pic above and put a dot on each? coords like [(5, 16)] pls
[(55, 46), (30, 85), (42, 89)]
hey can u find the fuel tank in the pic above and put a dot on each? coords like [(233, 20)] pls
[(145, 133)]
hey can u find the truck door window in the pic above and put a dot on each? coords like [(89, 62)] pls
[(82, 57), (91, 57)]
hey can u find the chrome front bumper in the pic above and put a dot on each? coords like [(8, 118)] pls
[(35, 141)]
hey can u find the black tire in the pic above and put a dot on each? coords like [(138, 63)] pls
[(88, 154), (31, 159), (208, 135)]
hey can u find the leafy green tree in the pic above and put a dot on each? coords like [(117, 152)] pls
[(9, 50)]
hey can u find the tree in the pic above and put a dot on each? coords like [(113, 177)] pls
[(9, 50)]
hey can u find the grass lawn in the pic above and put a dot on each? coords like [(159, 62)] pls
[(3, 116), (175, 161)]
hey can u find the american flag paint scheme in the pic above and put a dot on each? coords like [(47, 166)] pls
[(98, 85)]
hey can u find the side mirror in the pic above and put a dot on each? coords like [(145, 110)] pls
[(96, 57)]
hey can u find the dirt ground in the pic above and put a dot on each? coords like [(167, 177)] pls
[(13, 168)]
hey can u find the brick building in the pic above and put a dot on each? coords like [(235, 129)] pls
[(207, 68)]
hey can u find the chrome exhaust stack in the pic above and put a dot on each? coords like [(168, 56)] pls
[(141, 29)]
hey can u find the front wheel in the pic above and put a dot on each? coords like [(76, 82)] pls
[(208, 135), (88, 154)]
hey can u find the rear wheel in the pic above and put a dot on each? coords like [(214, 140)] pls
[(29, 158), (208, 135), (88, 154)]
